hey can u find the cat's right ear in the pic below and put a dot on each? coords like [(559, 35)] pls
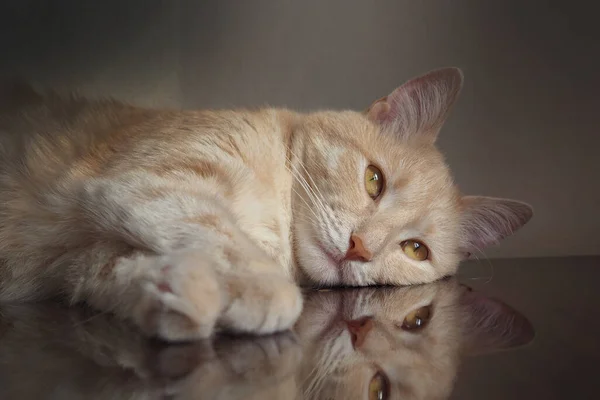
[(487, 220), (419, 107)]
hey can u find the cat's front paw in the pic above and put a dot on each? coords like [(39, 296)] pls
[(185, 297), (260, 303), (181, 298)]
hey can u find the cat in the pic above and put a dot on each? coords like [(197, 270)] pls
[(384, 343), (189, 221)]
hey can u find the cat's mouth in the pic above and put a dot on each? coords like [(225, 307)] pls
[(332, 257), (334, 261)]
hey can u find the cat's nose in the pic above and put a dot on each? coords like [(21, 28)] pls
[(359, 329), (357, 250)]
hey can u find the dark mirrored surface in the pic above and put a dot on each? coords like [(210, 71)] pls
[(470, 337)]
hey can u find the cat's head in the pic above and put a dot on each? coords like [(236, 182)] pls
[(374, 200), (399, 343)]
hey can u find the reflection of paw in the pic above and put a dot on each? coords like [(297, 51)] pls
[(167, 363), (242, 368), (183, 297), (262, 358)]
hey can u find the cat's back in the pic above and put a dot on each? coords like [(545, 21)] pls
[(50, 130), (62, 131), (52, 148)]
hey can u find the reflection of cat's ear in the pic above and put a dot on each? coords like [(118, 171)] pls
[(490, 325), (487, 220), (419, 107)]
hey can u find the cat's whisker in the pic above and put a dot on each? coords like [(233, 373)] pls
[(308, 207), (315, 188), (489, 262), (295, 176), (326, 369), (479, 261), (310, 191), (309, 376)]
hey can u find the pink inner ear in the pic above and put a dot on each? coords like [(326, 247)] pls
[(419, 107), (379, 111)]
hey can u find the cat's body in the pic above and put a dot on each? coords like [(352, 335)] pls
[(180, 220)]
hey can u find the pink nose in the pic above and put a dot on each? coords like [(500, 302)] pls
[(359, 328), (357, 250)]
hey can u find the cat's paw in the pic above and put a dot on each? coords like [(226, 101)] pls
[(184, 297), (181, 298), (260, 303)]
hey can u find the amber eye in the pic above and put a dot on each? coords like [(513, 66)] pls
[(379, 387), (415, 250), (417, 319), (373, 181)]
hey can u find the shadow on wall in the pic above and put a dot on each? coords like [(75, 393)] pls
[(124, 49)]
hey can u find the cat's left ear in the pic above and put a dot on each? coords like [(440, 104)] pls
[(419, 107), (490, 325), (487, 220)]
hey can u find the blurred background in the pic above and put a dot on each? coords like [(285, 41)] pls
[(525, 127)]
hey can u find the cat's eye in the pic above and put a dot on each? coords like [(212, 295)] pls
[(379, 387), (373, 181), (417, 319), (415, 250)]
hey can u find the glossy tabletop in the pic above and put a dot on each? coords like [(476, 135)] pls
[(503, 329)]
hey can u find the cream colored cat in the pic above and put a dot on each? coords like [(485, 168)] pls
[(183, 221), (386, 343)]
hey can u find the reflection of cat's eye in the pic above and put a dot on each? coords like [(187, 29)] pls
[(417, 319), (415, 250), (373, 181), (379, 387)]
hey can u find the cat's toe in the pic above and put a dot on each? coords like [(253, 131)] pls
[(182, 301), (261, 304)]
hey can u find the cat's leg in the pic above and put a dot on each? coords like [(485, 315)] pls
[(183, 295), (190, 267)]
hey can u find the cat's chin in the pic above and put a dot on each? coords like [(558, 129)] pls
[(320, 267), (325, 269)]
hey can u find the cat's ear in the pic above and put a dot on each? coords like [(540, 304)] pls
[(487, 220), (419, 107), (490, 325)]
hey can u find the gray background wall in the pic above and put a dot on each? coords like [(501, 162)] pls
[(526, 125)]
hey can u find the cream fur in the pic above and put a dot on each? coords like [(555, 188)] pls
[(186, 220)]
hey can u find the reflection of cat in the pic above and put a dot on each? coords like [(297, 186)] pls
[(399, 343), (53, 352), (384, 343), (179, 220)]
